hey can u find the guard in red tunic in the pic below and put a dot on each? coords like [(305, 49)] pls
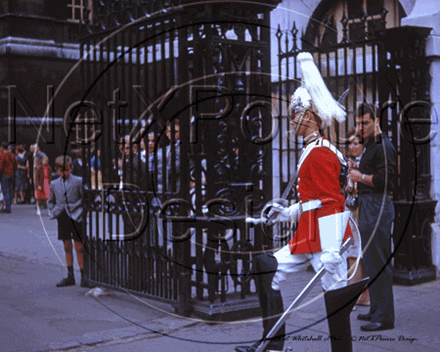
[(321, 228), (318, 179)]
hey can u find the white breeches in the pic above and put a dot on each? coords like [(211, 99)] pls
[(291, 263)]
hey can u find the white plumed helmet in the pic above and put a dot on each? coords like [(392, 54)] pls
[(313, 94)]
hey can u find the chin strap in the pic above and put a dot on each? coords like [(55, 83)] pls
[(311, 137), (301, 117)]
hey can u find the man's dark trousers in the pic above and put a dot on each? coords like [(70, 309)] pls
[(373, 219), (8, 190)]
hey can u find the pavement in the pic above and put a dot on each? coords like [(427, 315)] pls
[(37, 316)]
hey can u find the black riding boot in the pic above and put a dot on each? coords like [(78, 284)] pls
[(339, 304), (271, 302)]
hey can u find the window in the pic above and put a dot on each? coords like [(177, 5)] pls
[(77, 10)]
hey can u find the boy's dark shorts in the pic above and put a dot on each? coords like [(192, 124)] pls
[(69, 229)]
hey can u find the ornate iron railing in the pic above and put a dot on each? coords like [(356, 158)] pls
[(169, 222)]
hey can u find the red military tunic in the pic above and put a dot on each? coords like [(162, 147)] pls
[(318, 178)]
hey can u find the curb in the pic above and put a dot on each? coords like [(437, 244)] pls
[(156, 328)]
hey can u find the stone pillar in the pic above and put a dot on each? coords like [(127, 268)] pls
[(426, 13)]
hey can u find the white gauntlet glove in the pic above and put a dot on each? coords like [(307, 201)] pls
[(330, 259), (278, 213)]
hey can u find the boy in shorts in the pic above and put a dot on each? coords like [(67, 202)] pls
[(65, 201)]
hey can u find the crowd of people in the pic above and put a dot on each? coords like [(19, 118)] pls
[(26, 172), (19, 168), (161, 161)]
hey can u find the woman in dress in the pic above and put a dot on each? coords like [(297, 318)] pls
[(43, 176)]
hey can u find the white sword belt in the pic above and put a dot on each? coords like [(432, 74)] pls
[(310, 205)]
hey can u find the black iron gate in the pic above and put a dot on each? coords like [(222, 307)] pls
[(380, 68), (175, 125)]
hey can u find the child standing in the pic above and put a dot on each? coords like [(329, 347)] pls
[(66, 204), (43, 176)]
